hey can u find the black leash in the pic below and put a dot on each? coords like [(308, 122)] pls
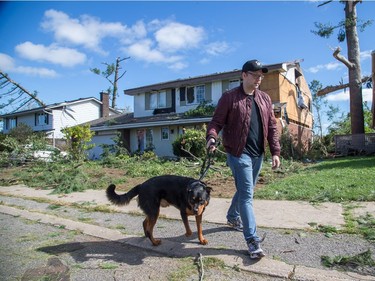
[(208, 160)]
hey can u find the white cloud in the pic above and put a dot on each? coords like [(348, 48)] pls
[(340, 96), (158, 41), (178, 65), (135, 32), (53, 54), (176, 36), (86, 31), (365, 55), (7, 64), (143, 50), (36, 71), (367, 94), (328, 66), (344, 95), (167, 46), (217, 48)]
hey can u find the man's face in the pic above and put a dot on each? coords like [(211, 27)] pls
[(253, 78)]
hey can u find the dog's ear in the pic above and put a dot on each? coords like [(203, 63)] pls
[(209, 189), (206, 187)]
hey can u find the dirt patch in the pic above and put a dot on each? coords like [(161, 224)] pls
[(222, 187)]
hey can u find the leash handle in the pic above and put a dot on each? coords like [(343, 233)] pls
[(207, 161)]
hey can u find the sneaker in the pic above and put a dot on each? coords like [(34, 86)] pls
[(254, 250), (236, 224)]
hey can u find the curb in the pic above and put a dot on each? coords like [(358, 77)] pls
[(264, 266)]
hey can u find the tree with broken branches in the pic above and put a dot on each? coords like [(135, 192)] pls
[(112, 69), (18, 97), (347, 30)]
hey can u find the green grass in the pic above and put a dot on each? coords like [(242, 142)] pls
[(334, 180), (362, 259)]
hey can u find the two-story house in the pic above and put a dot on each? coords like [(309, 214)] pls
[(51, 119), (158, 109)]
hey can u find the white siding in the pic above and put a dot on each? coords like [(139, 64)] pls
[(29, 120), (74, 114), (139, 106), (70, 115), (162, 147), (95, 152), (216, 91)]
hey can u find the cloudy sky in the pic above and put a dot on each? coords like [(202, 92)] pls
[(49, 47)]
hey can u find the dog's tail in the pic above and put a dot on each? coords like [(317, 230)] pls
[(121, 199)]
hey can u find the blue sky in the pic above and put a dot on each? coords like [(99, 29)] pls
[(50, 46)]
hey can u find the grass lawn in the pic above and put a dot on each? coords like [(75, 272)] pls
[(334, 180)]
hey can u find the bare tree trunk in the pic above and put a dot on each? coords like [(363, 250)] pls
[(114, 94), (373, 88), (116, 78), (355, 85)]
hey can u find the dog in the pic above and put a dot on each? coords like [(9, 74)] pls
[(188, 195)]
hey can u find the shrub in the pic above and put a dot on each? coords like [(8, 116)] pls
[(78, 138), (191, 144)]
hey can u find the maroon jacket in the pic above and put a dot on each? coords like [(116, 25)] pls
[(233, 116)]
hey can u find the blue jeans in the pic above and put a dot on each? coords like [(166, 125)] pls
[(245, 170)]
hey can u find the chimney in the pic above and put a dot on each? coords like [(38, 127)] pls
[(104, 110)]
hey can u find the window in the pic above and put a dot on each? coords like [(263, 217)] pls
[(141, 140), (149, 139), (165, 133), (41, 119), (195, 94), (182, 94), (145, 140), (11, 123), (233, 84), (200, 93), (158, 100)]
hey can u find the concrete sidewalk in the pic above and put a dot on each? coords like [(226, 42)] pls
[(270, 214)]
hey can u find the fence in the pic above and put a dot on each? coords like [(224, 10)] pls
[(358, 144)]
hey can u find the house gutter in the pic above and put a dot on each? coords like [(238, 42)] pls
[(152, 124)]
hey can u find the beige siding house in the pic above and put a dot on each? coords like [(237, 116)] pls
[(158, 117)]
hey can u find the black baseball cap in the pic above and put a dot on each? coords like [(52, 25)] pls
[(253, 65)]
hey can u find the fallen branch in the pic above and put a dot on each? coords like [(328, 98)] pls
[(330, 89), (33, 96)]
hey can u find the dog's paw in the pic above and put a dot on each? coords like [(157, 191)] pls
[(188, 233), (156, 242), (203, 241)]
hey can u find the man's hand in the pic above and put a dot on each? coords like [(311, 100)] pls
[(275, 162), (211, 145)]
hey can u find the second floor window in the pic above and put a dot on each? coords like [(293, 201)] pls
[(41, 119), (158, 100), (195, 94)]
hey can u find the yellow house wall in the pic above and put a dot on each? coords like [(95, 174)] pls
[(280, 89)]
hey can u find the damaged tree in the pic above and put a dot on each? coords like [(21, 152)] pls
[(18, 96), (348, 31), (112, 69)]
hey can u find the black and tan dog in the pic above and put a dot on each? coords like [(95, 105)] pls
[(189, 195)]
